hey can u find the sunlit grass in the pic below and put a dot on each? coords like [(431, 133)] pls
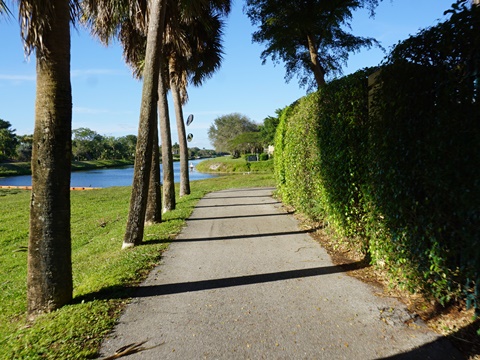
[(102, 272), (226, 164)]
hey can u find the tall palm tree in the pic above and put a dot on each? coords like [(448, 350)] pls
[(177, 84), (148, 120), (45, 28), (127, 20), (196, 59), (135, 223), (153, 213), (166, 138)]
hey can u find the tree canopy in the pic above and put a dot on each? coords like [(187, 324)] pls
[(87, 144), (309, 36), (8, 140), (269, 127), (247, 142), (226, 128)]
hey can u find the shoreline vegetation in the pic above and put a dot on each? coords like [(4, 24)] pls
[(227, 165), (23, 168), (218, 165)]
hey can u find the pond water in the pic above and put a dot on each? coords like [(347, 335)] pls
[(105, 177)]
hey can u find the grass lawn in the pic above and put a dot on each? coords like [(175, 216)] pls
[(103, 274), (226, 164)]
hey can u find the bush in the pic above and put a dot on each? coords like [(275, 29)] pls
[(401, 181), (424, 144), (263, 157), (296, 160)]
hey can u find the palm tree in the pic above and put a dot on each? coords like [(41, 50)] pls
[(177, 84), (193, 60), (46, 29), (148, 119), (166, 137), (153, 213), (186, 42), (127, 20), (152, 87)]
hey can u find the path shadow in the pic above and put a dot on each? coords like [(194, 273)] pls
[(229, 237), (238, 216), (228, 205), (169, 289), (236, 197), (248, 189), (122, 292)]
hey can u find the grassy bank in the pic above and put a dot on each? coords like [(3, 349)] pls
[(228, 165), (103, 273), (23, 168)]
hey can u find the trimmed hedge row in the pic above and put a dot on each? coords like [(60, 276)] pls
[(401, 181)]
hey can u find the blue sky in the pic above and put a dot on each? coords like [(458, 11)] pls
[(106, 98)]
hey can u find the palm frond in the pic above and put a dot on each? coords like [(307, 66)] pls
[(4, 8), (35, 18), (105, 18)]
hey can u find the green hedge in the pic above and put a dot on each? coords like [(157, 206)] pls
[(424, 155), (400, 181), (296, 156)]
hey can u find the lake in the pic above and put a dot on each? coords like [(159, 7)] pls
[(104, 177)]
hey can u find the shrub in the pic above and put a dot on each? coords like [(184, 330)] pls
[(423, 146), (263, 157), (400, 180)]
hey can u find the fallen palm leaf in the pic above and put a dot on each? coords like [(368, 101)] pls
[(130, 349)]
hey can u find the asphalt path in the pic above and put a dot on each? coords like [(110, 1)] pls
[(244, 281)]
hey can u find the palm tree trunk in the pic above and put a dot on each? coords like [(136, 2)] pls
[(148, 115), (317, 68), (182, 140), (154, 200), (166, 138), (49, 280)]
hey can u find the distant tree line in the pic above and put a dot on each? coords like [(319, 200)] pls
[(87, 144)]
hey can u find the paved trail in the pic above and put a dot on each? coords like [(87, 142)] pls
[(243, 281)]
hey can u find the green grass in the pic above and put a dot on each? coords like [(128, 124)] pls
[(228, 165), (23, 168), (103, 273), (13, 169)]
